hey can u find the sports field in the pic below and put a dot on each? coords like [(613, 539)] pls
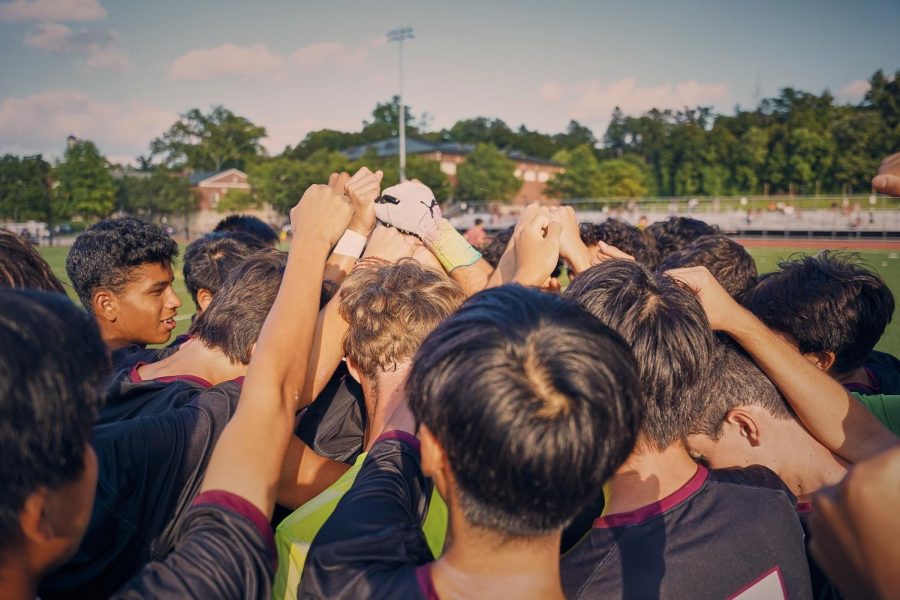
[(883, 258)]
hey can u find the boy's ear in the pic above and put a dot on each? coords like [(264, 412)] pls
[(823, 360), (353, 369), (204, 297), (105, 305), (434, 460), (33, 519), (746, 423)]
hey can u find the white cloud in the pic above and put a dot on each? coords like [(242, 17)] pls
[(854, 91), (551, 91), (329, 54), (228, 61), (41, 122), (286, 132), (100, 48), (594, 101), (51, 10)]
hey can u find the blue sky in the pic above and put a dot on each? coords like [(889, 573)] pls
[(120, 71)]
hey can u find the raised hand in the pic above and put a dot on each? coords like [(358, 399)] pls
[(389, 244), (411, 208), (363, 189), (719, 306), (536, 247), (321, 214), (606, 252), (888, 179), (571, 248), (338, 181)]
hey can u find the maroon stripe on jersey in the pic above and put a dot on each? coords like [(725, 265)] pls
[(403, 436), (426, 583), (135, 377), (242, 507), (645, 513)]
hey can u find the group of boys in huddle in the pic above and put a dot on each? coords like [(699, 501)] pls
[(572, 410)]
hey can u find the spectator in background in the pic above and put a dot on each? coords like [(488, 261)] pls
[(833, 308), (677, 232), (727, 260), (476, 234), (121, 270), (22, 267), (250, 225)]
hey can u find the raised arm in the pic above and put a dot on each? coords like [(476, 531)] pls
[(832, 415), (248, 458)]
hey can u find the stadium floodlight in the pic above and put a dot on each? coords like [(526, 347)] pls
[(398, 35)]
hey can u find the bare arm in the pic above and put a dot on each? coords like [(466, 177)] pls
[(249, 456), (832, 415), (305, 474)]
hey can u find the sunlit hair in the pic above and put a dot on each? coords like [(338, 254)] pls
[(391, 307)]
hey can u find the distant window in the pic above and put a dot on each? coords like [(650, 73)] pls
[(518, 173), (530, 175), (543, 176), (215, 199), (448, 167)]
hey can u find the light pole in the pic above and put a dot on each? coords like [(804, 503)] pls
[(398, 35)]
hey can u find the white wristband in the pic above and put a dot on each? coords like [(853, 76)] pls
[(351, 244)]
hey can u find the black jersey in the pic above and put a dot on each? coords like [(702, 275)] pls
[(150, 469), (224, 550), (731, 533), (373, 545)]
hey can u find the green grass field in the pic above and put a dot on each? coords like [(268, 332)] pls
[(886, 262)]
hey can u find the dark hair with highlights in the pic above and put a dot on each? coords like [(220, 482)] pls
[(232, 321), (209, 260), (625, 237), (52, 368), (22, 267), (105, 254), (728, 261), (669, 336), (535, 403), (250, 225), (677, 232), (830, 302)]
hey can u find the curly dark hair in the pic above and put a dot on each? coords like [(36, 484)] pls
[(625, 237), (251, 225), (105, 254), (727, 260), (22, 267), (677, 232), (52, 367), (493, 252), (830, 302)]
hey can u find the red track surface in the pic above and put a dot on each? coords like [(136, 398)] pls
[(819, 244)]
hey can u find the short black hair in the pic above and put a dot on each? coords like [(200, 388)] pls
[(479, 221), (105, 253), (668, 332), (830, 302), (251, 225), (52, 368), (677, 232), (733, 380), (727, 260), (22, 267), (232, 321), (493, 252), (209, 259), (625, 237), (535, 403)]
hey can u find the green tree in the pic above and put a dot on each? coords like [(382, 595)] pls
[(25, 191), (84, 184), (429, 172), (621, 179), (164, 193), (209, 142), (582, 177), (237, 201), (487, 175), (281, 181)]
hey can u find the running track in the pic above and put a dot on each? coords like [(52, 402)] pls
[(819, 244)]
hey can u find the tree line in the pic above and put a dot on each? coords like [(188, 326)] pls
[(796, 142)]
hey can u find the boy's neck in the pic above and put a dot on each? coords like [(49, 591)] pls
[(382, 399), (195, 359), (809, 466), (16, 581), (648, 476), (479, 564)]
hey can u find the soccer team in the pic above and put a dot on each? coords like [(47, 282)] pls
[(388, 411)]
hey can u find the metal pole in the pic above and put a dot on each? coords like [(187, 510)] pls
[(402, 124), (398, 35)]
